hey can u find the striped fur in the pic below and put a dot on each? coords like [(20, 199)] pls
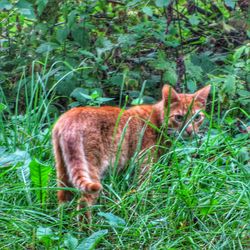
[(87, 140)]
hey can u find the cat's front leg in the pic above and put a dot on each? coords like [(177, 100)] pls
[(147, 157), (84, 206)]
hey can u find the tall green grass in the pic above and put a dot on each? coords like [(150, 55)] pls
[(196, 195)]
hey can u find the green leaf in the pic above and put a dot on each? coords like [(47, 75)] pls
[(230, 120), (148, 99), (248, 33), (43, 232), (80, 94), (113, 220), (127, 39), (61, 34), (230, 3), (14, 158), (194, 20), (87, 53), (147, 10), (45, 235), (238, 53), (162, 3), (243, 93), (174, 44), (192, 86), (194, 71), (104, 99), (5, 5), (95, 94), (133, 94), (107, 46), (46, 47), (2, 151), (75, 104), (26, 9), (70, 242), (98, 90), (41, 28), (244, 155), (170, 76), (80, 35), (87, 97), (137, 101), (229, 85), (209, 207), (72, 17), (39, 175), (161, 63), (41, 4), (92, 241), (116, 80), (132, 3), (2, 107)]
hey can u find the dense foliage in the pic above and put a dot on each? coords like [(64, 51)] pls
[(55, 55), (109, 46)]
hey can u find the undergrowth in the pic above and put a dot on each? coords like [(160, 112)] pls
[(196, 195)]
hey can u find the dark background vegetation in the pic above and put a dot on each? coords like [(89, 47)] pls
[(55, 55), (104, 46)]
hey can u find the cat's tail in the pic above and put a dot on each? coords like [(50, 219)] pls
[(81, 174)]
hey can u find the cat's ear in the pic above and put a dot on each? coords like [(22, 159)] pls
[(169, 92), (202, 94)]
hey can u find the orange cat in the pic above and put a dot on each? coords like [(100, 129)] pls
[(87, 139)]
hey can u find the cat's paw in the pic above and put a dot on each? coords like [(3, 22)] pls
[(92, 187)]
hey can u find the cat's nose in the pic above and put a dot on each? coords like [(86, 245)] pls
[(189, 131)]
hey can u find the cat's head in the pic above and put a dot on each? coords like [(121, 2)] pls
[(184, 110)]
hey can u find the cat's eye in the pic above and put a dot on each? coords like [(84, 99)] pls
[(179, 118), (197, 118)]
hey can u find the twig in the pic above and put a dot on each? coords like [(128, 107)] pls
[(115, 2), (190, 40), (181, 71)]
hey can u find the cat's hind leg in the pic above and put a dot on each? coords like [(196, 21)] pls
[(88, 199), (62, 175), (78, 166)]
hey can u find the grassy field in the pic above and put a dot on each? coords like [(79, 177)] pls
[(196, 196)]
